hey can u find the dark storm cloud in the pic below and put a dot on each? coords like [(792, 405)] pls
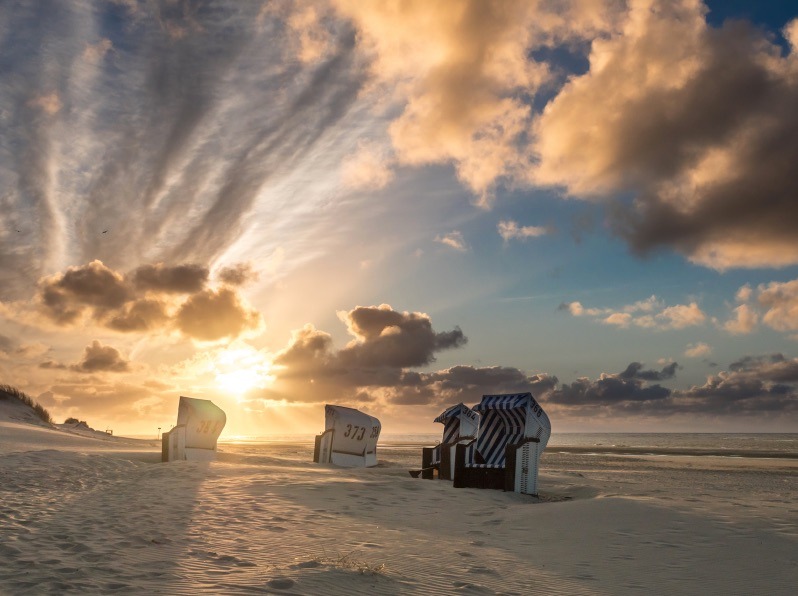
[(150, 139)]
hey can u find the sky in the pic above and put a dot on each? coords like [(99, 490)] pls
[(399, 206)]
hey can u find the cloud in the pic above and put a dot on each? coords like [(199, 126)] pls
[(50, 104), (170, 156), (151, 298), (178, 279), (100, 358), (237, 275), (681, 316), (635, 371), (369, 168), (215, 314), (754, 385), (703, 133), (745, 320), (385, 337), (96, 52), (453, 240), (94, 287), (463, 76), (697, 350), (678, 316), (509, 230), (759, 386), (774, 304), (377, 363), (780, 301)]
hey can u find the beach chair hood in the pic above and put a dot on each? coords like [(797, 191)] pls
[(194, 437), (204, 422), (521, 414), (458, 421), (349, 438)]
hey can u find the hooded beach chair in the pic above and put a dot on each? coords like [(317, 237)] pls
[(513, 432), (199, 424), (349, 438), (460, 424)]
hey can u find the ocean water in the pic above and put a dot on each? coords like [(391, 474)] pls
[(736, 444)]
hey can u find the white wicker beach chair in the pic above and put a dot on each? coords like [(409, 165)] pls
[(349, 438), (513, 433), (199, 424)]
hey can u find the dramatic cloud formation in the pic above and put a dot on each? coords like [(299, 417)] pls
[(671, 317), (151, 298), (703, 132), (154, 142), (375, 365)]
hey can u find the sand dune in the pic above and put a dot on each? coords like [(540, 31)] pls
[(88, 516)]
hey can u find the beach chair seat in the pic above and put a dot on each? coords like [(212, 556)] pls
[(460, 426), (349, 438), (513, 432)]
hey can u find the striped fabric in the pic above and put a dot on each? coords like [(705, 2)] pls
[(503, 423), (452, 412), (503, 402), (451, 430)]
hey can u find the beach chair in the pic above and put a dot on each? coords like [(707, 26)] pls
[(513, 432), (349, 438), (460, 424), (199, 424)]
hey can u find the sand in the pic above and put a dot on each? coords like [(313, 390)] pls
[(86, 514)]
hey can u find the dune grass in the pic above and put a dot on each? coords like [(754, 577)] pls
[(7, 392)]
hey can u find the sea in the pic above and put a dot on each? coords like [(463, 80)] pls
[(781, 445)]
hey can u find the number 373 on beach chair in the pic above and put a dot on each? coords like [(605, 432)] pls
[(513, 432), (349, 438), (460, 424)]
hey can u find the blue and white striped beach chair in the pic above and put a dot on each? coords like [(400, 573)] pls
[(460, 424), (513, 432)]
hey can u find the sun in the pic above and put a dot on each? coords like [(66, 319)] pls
[(241, 369)]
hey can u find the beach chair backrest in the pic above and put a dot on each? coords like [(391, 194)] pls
[(354, 435), (506, 420), (204, 422)]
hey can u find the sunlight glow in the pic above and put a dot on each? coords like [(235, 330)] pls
[(242, 368)]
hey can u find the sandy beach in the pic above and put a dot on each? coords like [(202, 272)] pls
[(82, 513)]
